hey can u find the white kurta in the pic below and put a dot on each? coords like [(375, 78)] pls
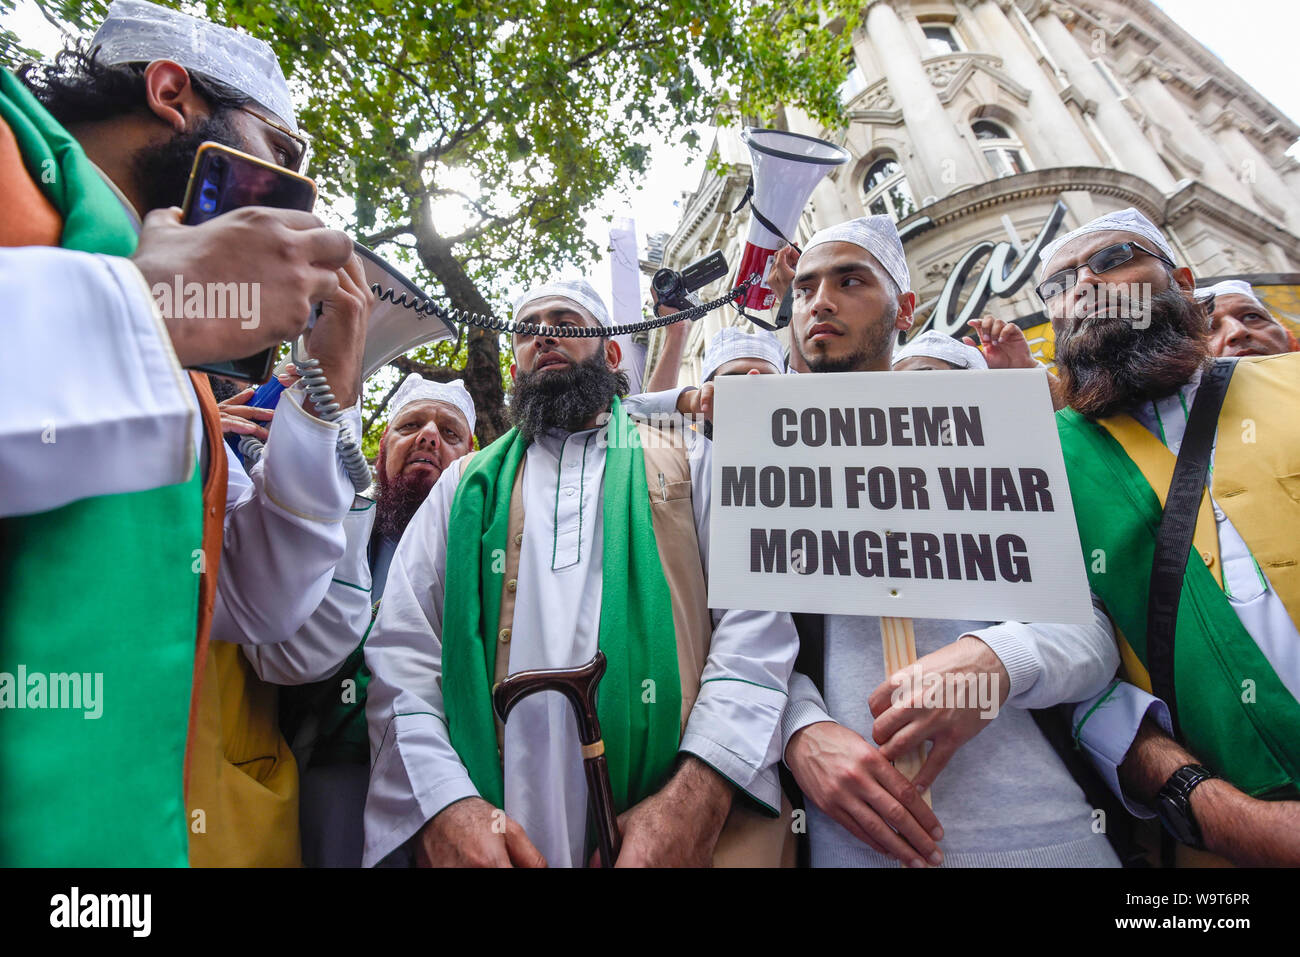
[(1107, 723), (734, 725), (284, 530), (339, 623), (94, 400), (97, 404)]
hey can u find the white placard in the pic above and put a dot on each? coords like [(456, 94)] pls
[(911, 494)]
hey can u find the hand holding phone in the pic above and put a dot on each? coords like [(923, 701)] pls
[(280, 261)]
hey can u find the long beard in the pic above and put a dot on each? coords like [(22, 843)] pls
[(397, 502), (1113, 366), (564, 400), (162, 172)]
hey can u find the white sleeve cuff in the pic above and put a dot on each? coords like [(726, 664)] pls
[(1105, 726), (735, 728), (303, 472), (1011, 642), (646, 404), (805, 707)]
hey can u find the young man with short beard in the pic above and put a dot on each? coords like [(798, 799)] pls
[(575, 531), (1132, 350), (1001, 796)]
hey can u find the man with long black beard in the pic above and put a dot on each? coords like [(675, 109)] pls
[(578, 530), (1132, 349)]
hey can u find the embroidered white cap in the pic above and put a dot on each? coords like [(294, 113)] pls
[(1233, 287), (575, 290), (416, 387), (936, 345), (1125, 220), (732, 343), (136, 31), (1229, 287), (877, 235)]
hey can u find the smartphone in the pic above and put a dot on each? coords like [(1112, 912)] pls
[(224, 179)]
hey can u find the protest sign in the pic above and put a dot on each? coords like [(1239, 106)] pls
[(904, 494)]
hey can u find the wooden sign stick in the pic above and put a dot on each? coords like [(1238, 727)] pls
[(899, 641)]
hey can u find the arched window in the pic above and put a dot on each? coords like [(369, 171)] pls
[(887, 190), (940, 38), (1003, 151)]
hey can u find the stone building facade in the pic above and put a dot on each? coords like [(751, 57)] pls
[(981, 125)]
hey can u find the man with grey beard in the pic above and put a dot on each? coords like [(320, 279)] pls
[(576, 531), (1217, 756)]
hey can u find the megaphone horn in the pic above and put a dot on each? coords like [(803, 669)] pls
[(396, 323), (786, 169)]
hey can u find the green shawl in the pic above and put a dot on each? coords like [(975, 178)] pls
[(106, 587), (641, 730)]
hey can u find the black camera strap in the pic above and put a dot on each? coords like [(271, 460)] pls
[(1177, 528), (763, 221)]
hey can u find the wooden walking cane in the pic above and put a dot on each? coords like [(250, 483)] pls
[(579, 686), (899, 641)]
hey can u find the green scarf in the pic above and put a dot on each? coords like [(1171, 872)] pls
[(640, 722), (104, 586), (94, 220), (1253, 741)]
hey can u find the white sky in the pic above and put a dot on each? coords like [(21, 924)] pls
[(1256, 38)]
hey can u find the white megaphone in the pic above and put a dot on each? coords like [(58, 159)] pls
[(786, 169), (394, 328)]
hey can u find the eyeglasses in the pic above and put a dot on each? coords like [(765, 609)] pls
[(298, 162), (1099, 262)]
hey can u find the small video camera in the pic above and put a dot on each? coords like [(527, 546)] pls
[(677, 289)]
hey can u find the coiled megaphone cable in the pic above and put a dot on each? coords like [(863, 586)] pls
[(329, 410), (512, 327)]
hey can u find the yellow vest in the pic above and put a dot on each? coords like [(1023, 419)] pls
[(1256, 478)]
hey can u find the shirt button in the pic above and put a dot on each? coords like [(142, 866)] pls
[(505, 635), (510, 585), (519, 538), (569, 492), (1208, 559)]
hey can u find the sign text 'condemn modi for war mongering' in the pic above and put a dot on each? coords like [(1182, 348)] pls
[(909, 494)]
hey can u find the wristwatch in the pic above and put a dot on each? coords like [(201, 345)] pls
[(1173, 804)]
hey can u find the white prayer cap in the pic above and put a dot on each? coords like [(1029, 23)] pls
[(936, 345), (732, 343), (1229, 287), (415, 388), (1125, 220), (877, 235), (574, 290), (136, 31)]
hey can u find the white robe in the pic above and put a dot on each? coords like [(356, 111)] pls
[(734, 725)]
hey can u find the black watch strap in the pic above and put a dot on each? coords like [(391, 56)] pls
[(1173, 804)]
